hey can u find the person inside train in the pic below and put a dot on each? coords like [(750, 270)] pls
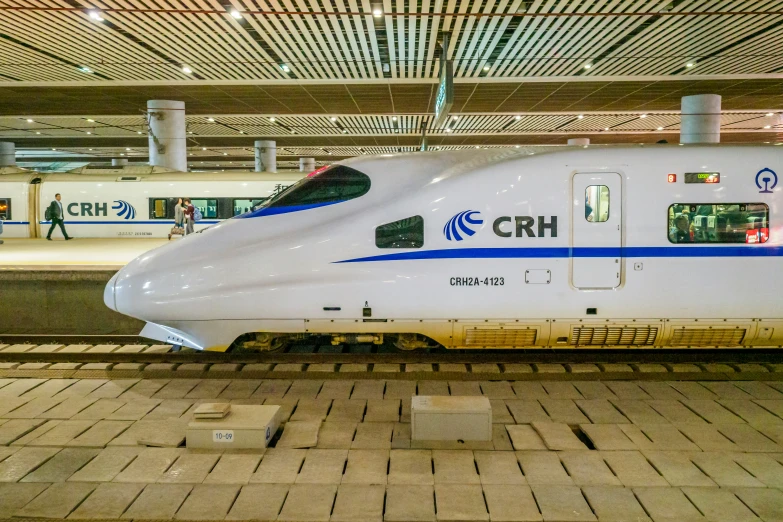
[(56, 214), (190, 216), (588, 210), (681, 232)]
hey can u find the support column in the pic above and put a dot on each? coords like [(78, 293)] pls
[(306, 164), (266, 156), (579, 141), (167, 139), (118, 162), (7, 154), (700, 119)]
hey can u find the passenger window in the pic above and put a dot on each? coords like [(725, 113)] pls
[(405, 233), (597, 203), (725, 223), (242, 206), (208, 207), (159, 208), (333, 185), (5, 209)]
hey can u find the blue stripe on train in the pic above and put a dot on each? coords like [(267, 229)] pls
[(565, 252), (16, 223), (69, 222)]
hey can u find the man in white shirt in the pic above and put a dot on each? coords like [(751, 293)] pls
[(57, 215)]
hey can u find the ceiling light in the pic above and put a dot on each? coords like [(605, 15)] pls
[(588, 65), (477, 146), (581, 116), (643, 116), (345, 131), (121, 153), (377, 12), (186, 69), (516, 146), (54, 149), (448, 130), (606, 128), (660, 128), (394, 118), (272, 120), (138, 132), (241, 132), (225, 153), (486, 67), (293, 131), (88, 132), (455, 117), (38, 133), (189, 132), (285, 68), (96, 15), (203, 148), (767, 126), (86, 70), (88, 119), (517, 117), (236, 14), (689, 64), (29, 120), (333, 118), (89, 149), (769, 115), (210, 119)]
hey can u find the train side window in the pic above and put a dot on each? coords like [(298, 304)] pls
[(208, 207), (332, 185), (5, 209), (597, 203), (405, 233), (159, 208), (724, 223), (242, 206)]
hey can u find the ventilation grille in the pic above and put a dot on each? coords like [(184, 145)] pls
[(613, 336), (708, 337), (129, 178), (500, 338)]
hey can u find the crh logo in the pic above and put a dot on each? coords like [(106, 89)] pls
[(124, 209), (461, 224)]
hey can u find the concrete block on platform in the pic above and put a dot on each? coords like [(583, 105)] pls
[(58, 501), (511, 503), (613, 504), (366, 467), (719, 505), (451, 418), (358, 503), (562, 503), (15, 496), (668, 504), (208, 502), (406, 503), (543, 468), (258, 502), (322, 466), (108, 501), (410, 467), (62, 465), (498, 467), (158, 502), (308, 503), (524, 437), (244, 427), (558, 436), (279, 466), (106, 465), (299, 435), (149, 465), (460, 503)]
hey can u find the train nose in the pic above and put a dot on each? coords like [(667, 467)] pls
[(108, 293)]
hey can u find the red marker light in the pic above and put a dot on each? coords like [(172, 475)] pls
[(318, 171), (672, 178)]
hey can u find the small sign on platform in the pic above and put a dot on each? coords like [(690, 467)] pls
[(245, 426)]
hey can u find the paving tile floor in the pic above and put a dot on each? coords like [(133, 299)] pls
[(587, 450)]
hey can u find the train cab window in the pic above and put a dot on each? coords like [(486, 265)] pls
[(405, 233), (725, 223), (208, 207), (597, 203), (159, 208), (242, 206), (332, 185), (5, 209)]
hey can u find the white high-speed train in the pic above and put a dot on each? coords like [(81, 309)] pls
[(127, 201), (602, 247)]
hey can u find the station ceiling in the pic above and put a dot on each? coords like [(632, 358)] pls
[(346, 77)]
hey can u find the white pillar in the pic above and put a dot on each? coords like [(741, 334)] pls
[(700, 119), (579, 141), (167, 139), (306, 164), (118, 162), (7, 154), (266, 156)]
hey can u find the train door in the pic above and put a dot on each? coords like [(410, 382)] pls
[(596, 225)]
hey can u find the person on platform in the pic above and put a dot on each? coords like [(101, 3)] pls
[(190, 216), (57, 215), (179, 218)]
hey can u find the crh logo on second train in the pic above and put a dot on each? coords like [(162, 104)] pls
[(124, 209), (464, 224)]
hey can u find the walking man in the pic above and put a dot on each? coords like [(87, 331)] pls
[(56, 213)]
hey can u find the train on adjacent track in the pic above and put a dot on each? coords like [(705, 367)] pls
[(128, 201), (598, 247)]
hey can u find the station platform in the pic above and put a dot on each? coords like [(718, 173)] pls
[(75, 255), (96, 448)]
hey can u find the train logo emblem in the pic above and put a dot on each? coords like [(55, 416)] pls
[(461, 224), (766, 179), (124, 209)]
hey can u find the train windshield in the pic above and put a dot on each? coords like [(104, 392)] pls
[(334, 184)]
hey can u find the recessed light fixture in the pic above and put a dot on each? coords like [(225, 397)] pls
[(236, 14), (643, 116), (186, 69), (588, 65), (606, 128), (581, 116), (272, 120), (85, 70), (127, 148), (448, 130), (241, 132), (88, 132), (90, 120), (516, 146), (345, 131), (769, 115), (210, 119), (139, 132), (96, 15), (285, 68), (377, 12), (455, 118), (477, 146), (54, 149), (203, 148), (121, 153), (394, 118), (333, 118), (517, 117), (225, 153), (486, 67), (89, 149), (689, 64), (38, 133), (29, 120), (767, 126), (660, 128)]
